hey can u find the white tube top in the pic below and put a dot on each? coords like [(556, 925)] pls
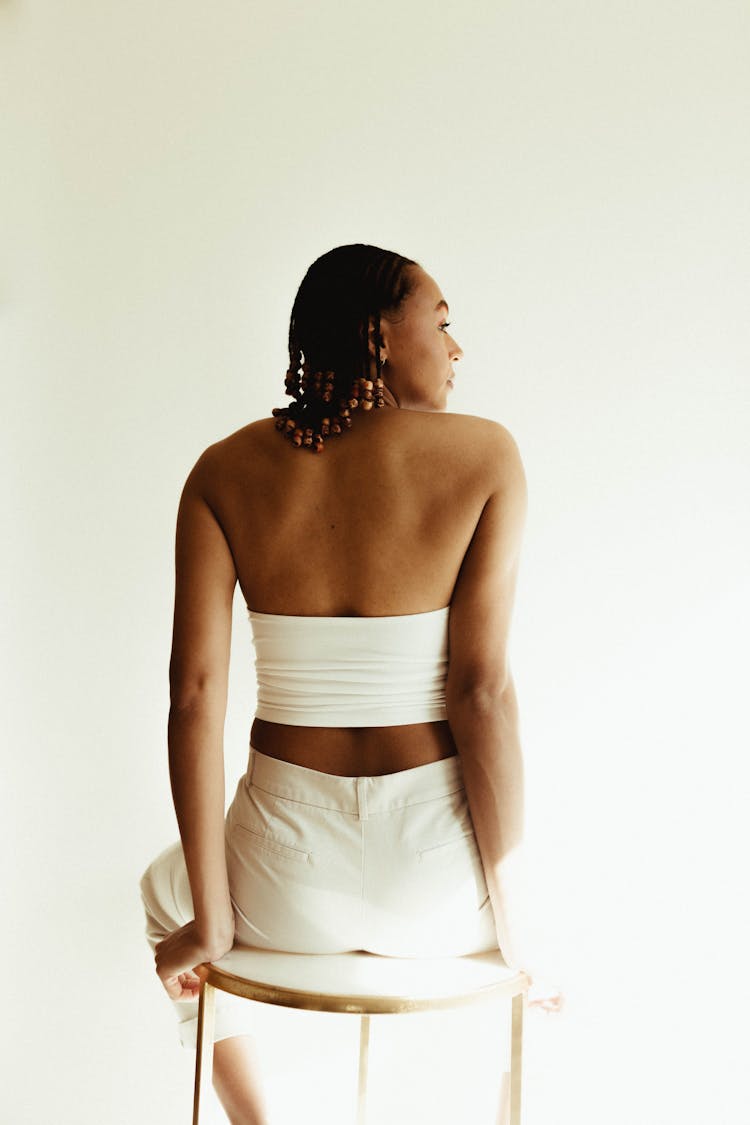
[(351, 671)]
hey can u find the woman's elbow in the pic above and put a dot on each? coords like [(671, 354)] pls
[(484, 695), (197, 698)]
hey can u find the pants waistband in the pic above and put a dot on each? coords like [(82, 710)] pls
[(359, 796)]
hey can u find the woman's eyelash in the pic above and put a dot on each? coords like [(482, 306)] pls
[(445, 324)]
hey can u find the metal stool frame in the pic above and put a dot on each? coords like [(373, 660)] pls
[(214, 978)]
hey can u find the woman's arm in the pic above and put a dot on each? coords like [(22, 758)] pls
[(485, 730), (480, 694), (205, 578)]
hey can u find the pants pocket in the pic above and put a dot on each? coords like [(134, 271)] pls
[(439, 851), (263, 841), (447, 851), (258, 821)]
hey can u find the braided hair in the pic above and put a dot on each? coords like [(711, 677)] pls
[(329, 328)]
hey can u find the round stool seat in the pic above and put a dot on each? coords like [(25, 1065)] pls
[(363, 982)]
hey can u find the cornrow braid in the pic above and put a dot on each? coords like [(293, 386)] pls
[(328, 377)]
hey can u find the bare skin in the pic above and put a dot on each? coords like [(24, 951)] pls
[(380, 523)]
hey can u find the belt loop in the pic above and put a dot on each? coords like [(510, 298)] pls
[(362, 798), (250, 764)]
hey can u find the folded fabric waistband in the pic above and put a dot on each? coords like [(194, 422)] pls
[(348, 794)]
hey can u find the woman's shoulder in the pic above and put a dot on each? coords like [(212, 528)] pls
[(218, 460), (471, 436), (255, 431), (477, 425), (488, 440), (248, 438)]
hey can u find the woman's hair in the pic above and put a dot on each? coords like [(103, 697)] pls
[(329, 324)]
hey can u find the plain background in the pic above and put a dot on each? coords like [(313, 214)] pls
[(575, 177)]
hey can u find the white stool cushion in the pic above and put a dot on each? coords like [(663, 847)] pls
[(369, 975)]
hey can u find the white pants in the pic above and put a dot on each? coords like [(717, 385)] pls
[(320, 863)]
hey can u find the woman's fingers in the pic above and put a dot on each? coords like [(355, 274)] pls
[(548, 1004), (184, 986), (544, 995), (176, 959)]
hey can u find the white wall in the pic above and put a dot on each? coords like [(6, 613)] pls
[(575, 176)]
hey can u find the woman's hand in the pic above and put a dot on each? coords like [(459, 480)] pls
[(178, 955), (543, 995)]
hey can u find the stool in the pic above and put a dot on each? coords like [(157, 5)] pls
[(363, 984)]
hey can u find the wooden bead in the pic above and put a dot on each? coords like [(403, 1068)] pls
[(366, 404)]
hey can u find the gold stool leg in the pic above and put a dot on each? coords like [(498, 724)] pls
[(204, 1054), (364, 1043), (503, 1113), (516, 1043)]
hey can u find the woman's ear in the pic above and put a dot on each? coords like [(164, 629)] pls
[(371, 338)]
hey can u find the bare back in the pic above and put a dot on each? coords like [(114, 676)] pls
[(378, 524)]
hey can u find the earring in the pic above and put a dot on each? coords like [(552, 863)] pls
[(379, 400)]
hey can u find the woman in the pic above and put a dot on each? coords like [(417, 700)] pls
[(376, 538)]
